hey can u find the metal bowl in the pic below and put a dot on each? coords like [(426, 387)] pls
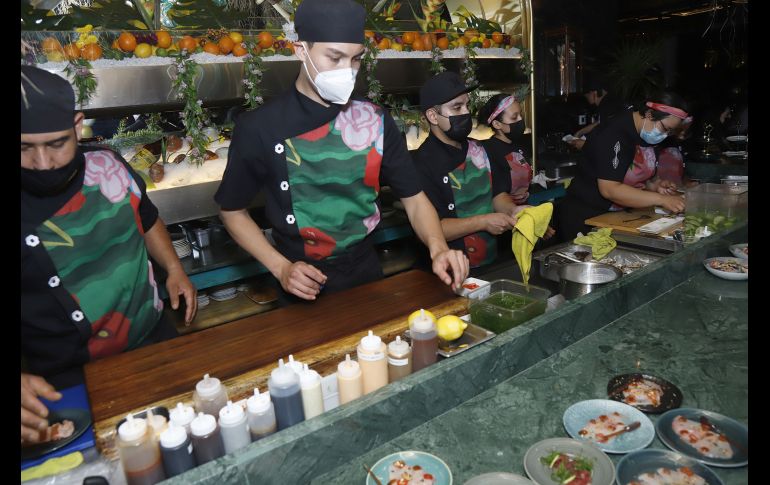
[(578, 279), (562, 170)]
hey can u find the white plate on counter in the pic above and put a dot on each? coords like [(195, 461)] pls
[(728, 275), (740, 250), (631, 466), (602, 472), (578, 416), (499, 478)]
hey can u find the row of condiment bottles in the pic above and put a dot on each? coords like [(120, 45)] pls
[(294, 394)]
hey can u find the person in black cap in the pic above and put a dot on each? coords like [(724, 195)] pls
[(470, 197), (319, 154), (87, 227)]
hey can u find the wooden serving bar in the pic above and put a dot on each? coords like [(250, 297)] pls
[(243, 353)]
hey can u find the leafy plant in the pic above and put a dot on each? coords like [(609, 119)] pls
[(79, 70), (435, 61), (197, 14), (468, 72), (471, 21), (632, 69), (127, 139), (252, 72), (108, 14), (369, 64), (193, 116)]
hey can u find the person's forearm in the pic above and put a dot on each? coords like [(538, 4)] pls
[(249, 236), (159, 247), (503, 204), (457, 227), (424, 220), (628, 196)]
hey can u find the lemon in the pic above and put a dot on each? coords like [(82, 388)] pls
[(397, 47), (416, 314), (55, 56), (237, 37), (450, 327), (143, 50)]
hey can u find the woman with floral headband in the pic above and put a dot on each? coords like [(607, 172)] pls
[(610, 155)]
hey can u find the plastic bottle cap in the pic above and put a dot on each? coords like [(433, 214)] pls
[(283, 376), (132, 429), (203, 424), (181, 415), (208, 386), (258, 403), (423, 323), (294, 365), (398, 346), (371, 342), (156, 420), (230, 414), (348, 368), (173, 436), (308, 378)]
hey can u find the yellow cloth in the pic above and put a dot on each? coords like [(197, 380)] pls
[(600, 241), (532, 224), (52, 466)]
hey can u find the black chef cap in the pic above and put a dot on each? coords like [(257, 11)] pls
[(441, 88), (47, 102), (330, 21)]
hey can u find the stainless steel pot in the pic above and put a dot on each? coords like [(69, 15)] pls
[(562, 170), (578, 279)]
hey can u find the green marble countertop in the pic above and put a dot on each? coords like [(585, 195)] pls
[(481, 410), (695, 335)]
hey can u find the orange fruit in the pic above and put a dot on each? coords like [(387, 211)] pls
[(470, 33), (71, 51), (226, 45), (497, 37), (409, 37), (188, 43), (239, 50), (443, 43), (290, 46), (91, 52), (369, 34), (462, 41), (127, 42), (236, 36), (265, 40), (428, 40), (418, 45), (51, 44), (211, 48), (164, 39), (486, 44), (384, 44)]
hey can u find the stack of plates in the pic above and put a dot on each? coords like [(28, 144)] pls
[(182, 247), (203, 300), (224, 294)]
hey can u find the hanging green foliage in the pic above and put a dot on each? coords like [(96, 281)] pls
[(106, 14), (200, 14)]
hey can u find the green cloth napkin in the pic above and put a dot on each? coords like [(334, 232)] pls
[(600, 241)]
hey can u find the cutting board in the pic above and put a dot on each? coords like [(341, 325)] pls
[(628, 222)]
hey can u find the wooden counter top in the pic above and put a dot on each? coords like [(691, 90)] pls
[(242, 352)]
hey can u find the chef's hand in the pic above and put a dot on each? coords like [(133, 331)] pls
[(577, 143), (454, 261), (497, 223), (549, 233), (672, 203), (302, 280), (177, 283), (33, 411), (667, 187)]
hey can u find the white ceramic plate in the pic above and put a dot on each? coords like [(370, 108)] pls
[(603, 472), (737, 250), (734, 430), (430, 463), (579, 414), (650, 461), (727, 275), (498, 478), (737, 138)]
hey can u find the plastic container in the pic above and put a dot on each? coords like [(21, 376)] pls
[(505, 304), (312, 397), (372, 357), (285, 394), (233, 426), (206, 438), (210, 396), (349, 381), (182, 416), (712, 208), (261, 415), (399, 359), (424, 341), (177, 451), (139, 452)]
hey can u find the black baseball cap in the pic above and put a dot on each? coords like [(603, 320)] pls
[(441, 88), (330, 21), (47, 102)]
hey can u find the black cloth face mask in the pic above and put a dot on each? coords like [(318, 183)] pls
[(515, 130), (50, 182), (460, 126)]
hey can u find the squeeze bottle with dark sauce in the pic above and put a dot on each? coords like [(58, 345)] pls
[(286, 396), (139, 452), (177, 450), (210, 396), (233, 426), (399, 359), (206, 438), (261, 415), (424, 341)]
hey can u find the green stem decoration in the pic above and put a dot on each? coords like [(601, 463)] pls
[(79, 70), (436, 67), (193, 116), (369, 63), (469, 75), (253, 69)]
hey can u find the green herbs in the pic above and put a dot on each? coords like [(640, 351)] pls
[(469, 75), (565, 468), (82, 78), (252, 78), (193, 116), (509, 300), (715, 221), (369, 64)]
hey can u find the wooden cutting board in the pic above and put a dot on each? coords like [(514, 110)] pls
[(624, 221)]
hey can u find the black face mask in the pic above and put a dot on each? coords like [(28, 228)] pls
[(515, 130), (460, 126), (50, 182)]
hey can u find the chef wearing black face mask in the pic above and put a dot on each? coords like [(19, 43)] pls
[(471, 198)]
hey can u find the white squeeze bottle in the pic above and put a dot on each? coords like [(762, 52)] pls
[(372, 357), (139, 452), (349, 380), (210, 396), (261, 415), (295, 365), (233, 426), (312, 398), (182, 416)]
